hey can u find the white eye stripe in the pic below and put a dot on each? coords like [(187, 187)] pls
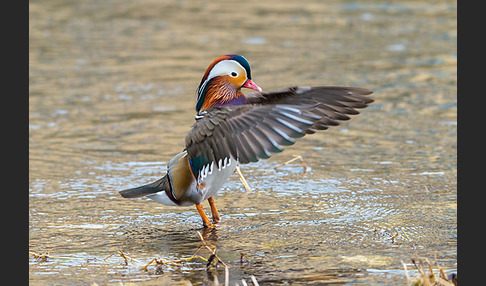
[(226, 67)]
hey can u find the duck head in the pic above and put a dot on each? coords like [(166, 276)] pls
[(222, 82)]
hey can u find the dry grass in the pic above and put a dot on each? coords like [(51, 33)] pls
[(41, 257), (427, 276), (296, 157), (159, 265), (242, 179)]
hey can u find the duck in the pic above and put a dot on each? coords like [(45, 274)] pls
[(232, 128)]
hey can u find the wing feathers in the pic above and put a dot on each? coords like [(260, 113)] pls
[(269, 121)]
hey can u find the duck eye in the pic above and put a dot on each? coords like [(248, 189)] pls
[(234, 74)]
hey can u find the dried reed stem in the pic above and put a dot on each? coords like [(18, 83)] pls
[(242, 179), (297, 157)]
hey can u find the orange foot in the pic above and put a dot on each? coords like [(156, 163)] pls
[(206, 222), (214, 211)]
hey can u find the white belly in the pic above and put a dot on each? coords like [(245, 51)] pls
[(214, 176), (210, 180)]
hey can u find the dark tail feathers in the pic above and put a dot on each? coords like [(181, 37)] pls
[(152, 188)]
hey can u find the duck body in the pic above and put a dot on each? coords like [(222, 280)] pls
[(179, 187), (232, 128)]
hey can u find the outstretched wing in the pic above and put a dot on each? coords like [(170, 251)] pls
[(334, 102), (269, 121)]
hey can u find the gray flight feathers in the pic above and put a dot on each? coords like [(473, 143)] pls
[(269, 121)]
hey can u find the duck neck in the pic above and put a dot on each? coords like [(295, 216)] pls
[(220, 93)]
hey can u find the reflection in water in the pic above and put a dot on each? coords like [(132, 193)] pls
[(111, 98)]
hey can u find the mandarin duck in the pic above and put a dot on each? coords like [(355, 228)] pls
[(232, 128)]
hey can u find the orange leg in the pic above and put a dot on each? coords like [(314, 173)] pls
[(214, 210), (206, 221)]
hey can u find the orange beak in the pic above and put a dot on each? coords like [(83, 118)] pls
[(251, 85)]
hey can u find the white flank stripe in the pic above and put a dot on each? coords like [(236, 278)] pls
[(225, 162), (211, 167)]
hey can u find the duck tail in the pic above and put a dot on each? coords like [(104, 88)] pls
[(148, 189)]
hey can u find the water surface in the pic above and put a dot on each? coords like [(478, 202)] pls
[(112, 94)]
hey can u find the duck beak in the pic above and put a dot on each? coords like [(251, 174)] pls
[(251, 85)]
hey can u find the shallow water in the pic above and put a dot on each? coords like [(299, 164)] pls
[(112, 94)]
